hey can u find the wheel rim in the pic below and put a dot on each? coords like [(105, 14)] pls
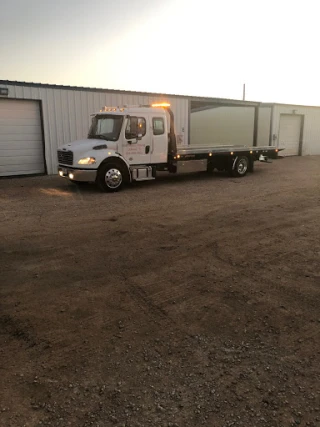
[(242, 167), (113, 178)]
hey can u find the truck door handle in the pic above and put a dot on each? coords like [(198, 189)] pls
[(147, 149)]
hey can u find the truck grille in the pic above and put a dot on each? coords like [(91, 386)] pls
[(65, 157)]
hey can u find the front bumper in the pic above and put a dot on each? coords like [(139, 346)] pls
[(82, 175)]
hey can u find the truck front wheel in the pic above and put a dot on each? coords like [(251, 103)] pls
[(241, 167), (110, 177)]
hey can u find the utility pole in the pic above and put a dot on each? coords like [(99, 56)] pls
[(244, 92)]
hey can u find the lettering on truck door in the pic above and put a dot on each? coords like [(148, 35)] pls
[(137, 151)]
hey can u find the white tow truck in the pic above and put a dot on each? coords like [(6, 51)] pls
[(127, 144)]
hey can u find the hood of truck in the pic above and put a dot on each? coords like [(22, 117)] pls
[(83, 145)]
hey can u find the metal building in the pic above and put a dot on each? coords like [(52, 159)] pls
[(295, 128), (36, 118)]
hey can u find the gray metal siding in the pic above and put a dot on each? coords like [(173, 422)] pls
[(21, 145), (66, 113)]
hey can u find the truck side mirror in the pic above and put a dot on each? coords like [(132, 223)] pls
[(135, 128), (132, 129)]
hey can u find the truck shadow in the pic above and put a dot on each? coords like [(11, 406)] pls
[(165, 179)]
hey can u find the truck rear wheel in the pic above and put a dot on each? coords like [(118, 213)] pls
[(241, 167), (110, 177)]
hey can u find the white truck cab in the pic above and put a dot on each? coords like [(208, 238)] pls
[(126, 144), (128, 141)]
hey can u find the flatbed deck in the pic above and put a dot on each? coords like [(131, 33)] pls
[(224, 149)]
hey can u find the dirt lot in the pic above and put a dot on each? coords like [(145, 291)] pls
[(183, 302)]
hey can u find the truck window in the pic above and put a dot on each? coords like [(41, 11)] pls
[(158, 126), (106, 127), (133, 124)]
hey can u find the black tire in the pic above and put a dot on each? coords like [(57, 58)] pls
[(111, 177), (241, 167)]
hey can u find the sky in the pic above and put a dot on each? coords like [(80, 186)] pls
[(200, 47)]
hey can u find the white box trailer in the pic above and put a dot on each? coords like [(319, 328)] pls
[(128, 144)]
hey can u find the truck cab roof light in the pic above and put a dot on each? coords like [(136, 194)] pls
[(161, 104), (106, 109), (122, 108)]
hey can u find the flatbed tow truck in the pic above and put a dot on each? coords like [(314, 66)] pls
[(127, 144)]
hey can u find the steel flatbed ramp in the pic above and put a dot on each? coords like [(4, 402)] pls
[(224, 149)]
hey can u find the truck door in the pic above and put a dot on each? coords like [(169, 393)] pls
[(137, 151), (159, 139)]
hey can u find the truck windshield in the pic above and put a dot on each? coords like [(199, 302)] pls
[(106, 127)]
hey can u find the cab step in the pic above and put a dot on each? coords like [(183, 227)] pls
[(142, 173)]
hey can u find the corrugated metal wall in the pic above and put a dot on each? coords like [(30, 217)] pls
[(66, 113), (311, 127)]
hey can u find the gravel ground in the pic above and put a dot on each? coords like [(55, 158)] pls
[(189, 301)]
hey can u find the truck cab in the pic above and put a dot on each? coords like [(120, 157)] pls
[(133, 140)]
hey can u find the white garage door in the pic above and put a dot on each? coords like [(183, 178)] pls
[(21, 145), (289, 136)]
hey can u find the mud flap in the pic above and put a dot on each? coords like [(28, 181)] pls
[(264, 159)]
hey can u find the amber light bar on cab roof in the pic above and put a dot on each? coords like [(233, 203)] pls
[(121, 109)]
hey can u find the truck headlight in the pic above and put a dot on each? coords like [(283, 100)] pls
[(87, 161)]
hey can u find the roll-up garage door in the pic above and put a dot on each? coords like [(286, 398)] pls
[(289, 137), (21, 143)]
